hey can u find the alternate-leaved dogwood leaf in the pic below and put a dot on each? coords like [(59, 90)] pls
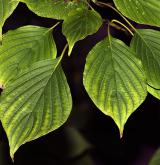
[(144, 12), (114, 79), (6, 9), (57, 9), (22, 47), (35, 103), (80, 24), (146, 44)]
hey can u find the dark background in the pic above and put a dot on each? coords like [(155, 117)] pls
[(88, 137)]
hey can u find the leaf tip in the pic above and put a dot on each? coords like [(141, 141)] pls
[(13, 151), (121, 134), (121, 129), (12, 156)]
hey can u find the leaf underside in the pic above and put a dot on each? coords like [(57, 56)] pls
[(36, 98), (114, 80), (37, 102)]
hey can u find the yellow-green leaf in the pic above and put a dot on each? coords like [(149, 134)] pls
[(146, 44), (57, 9), (35, 103), (141, 11), (114, 80)]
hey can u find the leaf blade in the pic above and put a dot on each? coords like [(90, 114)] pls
[(144, 12), (80, 24), (146, 45), (37, 102), (113, 79), (22, 47), (53, 8)]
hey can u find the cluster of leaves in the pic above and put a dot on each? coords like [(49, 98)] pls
[(36, 98)]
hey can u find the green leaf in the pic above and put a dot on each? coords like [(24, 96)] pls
[(6, 9), (22, 47), (156, 158), (57, 9), (114, 80), (145, 12), (146, 44), (80, 24), (35, 103)]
